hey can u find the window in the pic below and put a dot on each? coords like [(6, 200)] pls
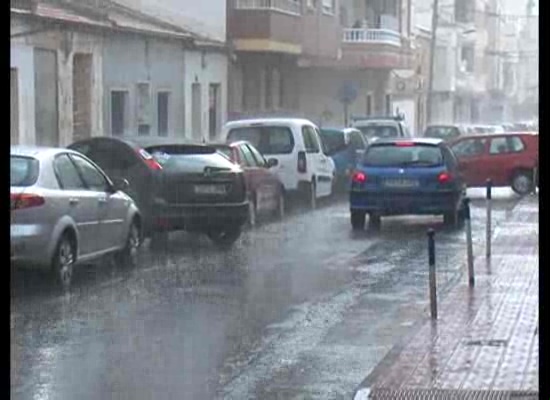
[(119, 112), (356, 141), (369, 105), (163, 104), (248, 156), (259, 158), (503, 145), (214, 110), (442, 132), (267, 139), (464, 10), (469, 148), (67, 175), (14, 106), (144, 108), (268, 83), (450, 158), (467, 54), (388, 104), (23, 171), (93, 179), (328, 6), (410, 156), (310, 139)]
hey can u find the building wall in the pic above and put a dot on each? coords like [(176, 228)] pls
[(204, 68), (132, 59), (65, 43)]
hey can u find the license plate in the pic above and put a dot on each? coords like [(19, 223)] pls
[(401, 183), (210, 189)]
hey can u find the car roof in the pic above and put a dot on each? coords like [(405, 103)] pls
[(144, 141), (268, 121), (39, 152), (429, 141), (497, 134), (338, 130)]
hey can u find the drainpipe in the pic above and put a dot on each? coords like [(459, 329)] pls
[(432, 60)]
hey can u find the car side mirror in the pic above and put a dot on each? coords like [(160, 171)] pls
[(120, 184), (272, 162)]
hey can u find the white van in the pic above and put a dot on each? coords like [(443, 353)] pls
[(294, 149)]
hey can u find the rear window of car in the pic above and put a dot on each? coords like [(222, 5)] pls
[(415, 155), (173, 157), (23, 171), (267, 139), (442, 132), (333, 141), (379, 131)]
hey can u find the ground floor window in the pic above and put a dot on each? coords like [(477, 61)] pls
[(119, 112), (163, 111)]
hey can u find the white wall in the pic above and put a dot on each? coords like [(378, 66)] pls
[(21, 58), (212, 70), (206, 17)]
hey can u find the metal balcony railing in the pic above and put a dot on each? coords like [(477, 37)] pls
[(384, 36), (285, 6)]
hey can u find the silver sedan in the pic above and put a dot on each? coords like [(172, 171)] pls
[(65, 211)]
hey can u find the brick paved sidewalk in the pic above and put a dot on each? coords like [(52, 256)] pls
[(486, 337)]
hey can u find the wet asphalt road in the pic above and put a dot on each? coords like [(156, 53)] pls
[(302, 308)]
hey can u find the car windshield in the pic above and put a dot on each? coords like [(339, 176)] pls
[(442, 132), (333, 141), (379, 131), (416, 155), (267, 139), (23, 171)]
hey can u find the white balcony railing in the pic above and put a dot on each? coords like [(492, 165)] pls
[(285, 6), (384, 36)]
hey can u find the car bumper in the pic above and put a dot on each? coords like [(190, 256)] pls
[(428, 203), (29, 245), (199, 216)]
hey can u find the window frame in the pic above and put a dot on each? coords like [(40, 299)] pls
[(309, 132), (74, 157), (484, 152), (58, 174)]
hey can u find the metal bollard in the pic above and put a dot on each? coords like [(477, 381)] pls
[(468, 222), (431, 262), (488, 232)]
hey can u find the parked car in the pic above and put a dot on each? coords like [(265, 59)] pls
[(266, 194), (445, 132), (374, 128), (345, 146), (177, 185), (406, 176), (508, 159), (65, 211), (296, 148)]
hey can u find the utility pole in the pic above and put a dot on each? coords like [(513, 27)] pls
[(435, 18)]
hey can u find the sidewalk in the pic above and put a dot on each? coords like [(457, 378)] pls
[(486, 338)]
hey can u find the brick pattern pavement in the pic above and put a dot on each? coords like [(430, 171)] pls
[(486, 337)]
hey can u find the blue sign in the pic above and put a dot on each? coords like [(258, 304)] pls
[(347, 93)]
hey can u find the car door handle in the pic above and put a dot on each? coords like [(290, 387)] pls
[(73, 201)]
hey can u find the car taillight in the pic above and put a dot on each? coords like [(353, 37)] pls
[(404, 144), (26, 200), (302, 163), (359, 177), (444, 177), (149, 160)]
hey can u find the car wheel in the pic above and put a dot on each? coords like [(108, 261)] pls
[(522, 183), (312, 195), (63, 262), (224, 237), (375, 221), (358, 220), (281, 206), (127, 257), (252, 211)]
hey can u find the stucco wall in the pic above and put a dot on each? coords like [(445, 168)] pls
[(132, 59)]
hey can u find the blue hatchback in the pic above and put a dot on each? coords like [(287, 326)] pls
[(406, 177)]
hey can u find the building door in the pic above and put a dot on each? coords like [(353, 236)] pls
[(82, 96), (196, 110), (214, 110), (14, 106), (45, 97)]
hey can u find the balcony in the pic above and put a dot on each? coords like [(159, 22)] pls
[(373, 36), (273, 26), (285, 6)]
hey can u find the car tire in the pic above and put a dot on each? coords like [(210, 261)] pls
[(127, 257), (522, 183), (252, 211), (281, 205), (358, 220), (312, 194), (63, 262), (375, 221), (224, 237)]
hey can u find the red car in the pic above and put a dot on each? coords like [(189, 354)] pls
[(265, 190), (508, 159)]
